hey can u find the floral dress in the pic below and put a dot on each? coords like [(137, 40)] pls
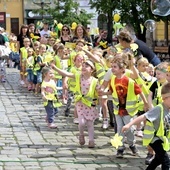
[(89, 113)]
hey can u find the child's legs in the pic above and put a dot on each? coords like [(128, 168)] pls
[(82, 123), (121, 121), (75, 113), (90, 128), (69, 100), (104, 107), (161, 157), (50, 112)]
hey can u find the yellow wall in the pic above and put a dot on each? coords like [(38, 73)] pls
[(13, 9)]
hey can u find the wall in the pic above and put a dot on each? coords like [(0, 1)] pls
[(13, 9)]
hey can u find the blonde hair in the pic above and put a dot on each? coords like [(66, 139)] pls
[(142, 60), (162, 67)]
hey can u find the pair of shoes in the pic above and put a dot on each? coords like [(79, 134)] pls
[(76, 121), (139, 133), (91, 144), (134, 150), (52, 126), (105, 124), (67, 112), (119, 154), (81, 140), (149, 158)]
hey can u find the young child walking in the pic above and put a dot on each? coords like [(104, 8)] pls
[(49, 95), (85, 95), (157, 130), (125, 93)]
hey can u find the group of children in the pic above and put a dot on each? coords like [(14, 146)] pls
[(89, 77)]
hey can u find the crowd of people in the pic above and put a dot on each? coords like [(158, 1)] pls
[(123, 84)]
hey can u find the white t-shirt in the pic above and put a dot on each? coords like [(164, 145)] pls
[(45, 33)]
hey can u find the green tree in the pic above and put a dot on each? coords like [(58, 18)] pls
[(132, 12), (105, 7), (66, 12)]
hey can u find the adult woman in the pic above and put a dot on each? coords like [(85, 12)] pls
[(65, 35), (24, 33), (81, 33)]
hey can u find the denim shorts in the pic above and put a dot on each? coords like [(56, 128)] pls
[(30, 75), (39, 77)]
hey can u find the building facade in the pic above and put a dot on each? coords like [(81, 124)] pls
[(16, 12)]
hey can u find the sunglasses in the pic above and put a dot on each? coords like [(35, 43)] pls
[(65, 29)]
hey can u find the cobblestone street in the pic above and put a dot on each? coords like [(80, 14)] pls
[(26, 143)]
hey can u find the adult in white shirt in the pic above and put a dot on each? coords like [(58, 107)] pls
[(45, 31)]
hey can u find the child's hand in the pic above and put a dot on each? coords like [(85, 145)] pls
[(125, 128)]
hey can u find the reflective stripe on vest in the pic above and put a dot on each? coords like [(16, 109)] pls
[(100, 72), (89, 98), (132, 100), (157, 98), (149, 132)]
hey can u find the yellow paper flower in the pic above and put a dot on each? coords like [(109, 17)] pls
[(103, 44), (168, 68), (116, 141)]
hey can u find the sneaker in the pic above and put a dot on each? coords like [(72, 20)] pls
[(105, 124), (67, 112), (22, 82), (134, 150), (119, 154), (52, 126), (76, 121), (139, 133), (149, 158), (91, 144), (81, 140)]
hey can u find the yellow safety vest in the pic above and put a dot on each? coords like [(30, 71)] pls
[(71, 81), (145, 85), (51, 96), (58, 64), (132, 100), (89, 98), (30, 62), (100, 72), (158, 98), (150, 133), (24, 53)]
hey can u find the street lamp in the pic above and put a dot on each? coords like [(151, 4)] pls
[(41, 3)]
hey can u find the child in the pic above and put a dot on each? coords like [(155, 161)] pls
[(39, 64), (156, 130), (85, 94), (29, 68), (23, 57), (78, 60), (49, 92), (144, 80), (125, 100)]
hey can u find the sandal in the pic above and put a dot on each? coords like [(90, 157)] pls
[(81, 140), (91, 144)]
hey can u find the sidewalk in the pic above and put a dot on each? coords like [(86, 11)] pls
[(26, 143)]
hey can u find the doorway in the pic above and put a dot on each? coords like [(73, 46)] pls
[(15, 26)]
